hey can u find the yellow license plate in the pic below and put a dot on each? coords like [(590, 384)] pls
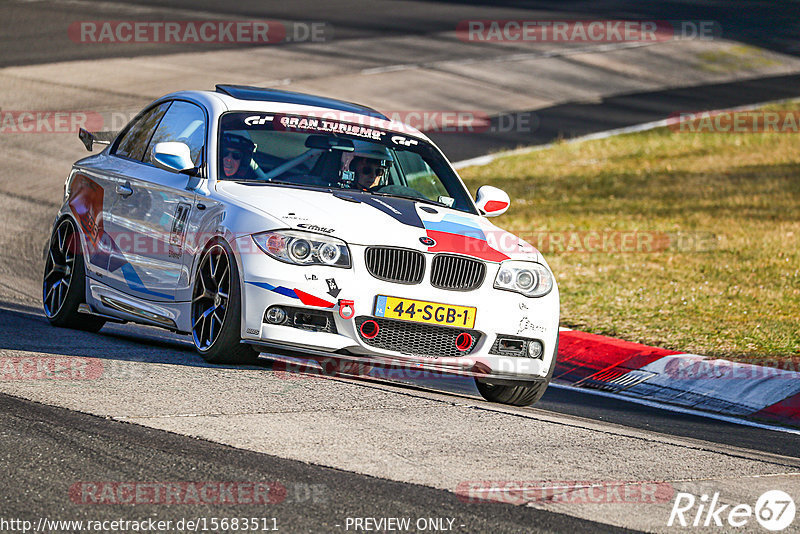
[(421, 311)]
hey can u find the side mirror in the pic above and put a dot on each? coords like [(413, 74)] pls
[(174, 156), (492, 201)]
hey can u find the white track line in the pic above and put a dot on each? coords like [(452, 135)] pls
[(643, 127), (677, 409), (505, 58)]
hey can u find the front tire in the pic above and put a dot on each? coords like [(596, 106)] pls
[(64, 281), (517, 395), (217, 308)]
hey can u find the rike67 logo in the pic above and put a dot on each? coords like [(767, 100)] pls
[(774, 510)]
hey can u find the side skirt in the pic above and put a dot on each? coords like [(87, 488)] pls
[(114, 305)]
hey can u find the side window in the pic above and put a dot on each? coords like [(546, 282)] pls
[(420, 176), (183, 122), (134, 141)]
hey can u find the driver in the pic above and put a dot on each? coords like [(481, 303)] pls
[(237, 153), (366, 166)]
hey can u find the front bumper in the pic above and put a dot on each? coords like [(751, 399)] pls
[(268, 282)]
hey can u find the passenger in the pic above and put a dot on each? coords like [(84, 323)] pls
[(237, 153)]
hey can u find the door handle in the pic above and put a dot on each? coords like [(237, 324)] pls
[(124, 189)]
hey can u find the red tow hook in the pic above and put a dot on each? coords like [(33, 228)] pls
[(463, 341), (347, 309)]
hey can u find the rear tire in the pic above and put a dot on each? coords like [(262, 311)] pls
[(217, 308), (64, 281), (517, 395)]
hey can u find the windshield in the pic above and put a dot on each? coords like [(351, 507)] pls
[(308, 151)]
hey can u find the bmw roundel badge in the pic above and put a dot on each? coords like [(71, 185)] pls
[(427, 241)]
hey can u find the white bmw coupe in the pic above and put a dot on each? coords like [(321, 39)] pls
[(258, 220)]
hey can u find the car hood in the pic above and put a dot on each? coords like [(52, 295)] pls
[(365, 219)]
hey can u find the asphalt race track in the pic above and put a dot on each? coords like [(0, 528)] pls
[(314, 498), (335, 449)]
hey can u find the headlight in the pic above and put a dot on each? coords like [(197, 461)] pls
[(526, 277), (303, 248), (299, 250)]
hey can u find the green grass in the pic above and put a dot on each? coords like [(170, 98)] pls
[(737, 297), (734, 59)]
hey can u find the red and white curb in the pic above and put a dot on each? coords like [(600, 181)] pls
[(689, 381)]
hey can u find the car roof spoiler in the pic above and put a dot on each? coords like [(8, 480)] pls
[(90, 138), (246, 92)]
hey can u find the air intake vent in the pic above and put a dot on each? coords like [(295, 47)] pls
[(396, 264), (457, 273), (418, 339)]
